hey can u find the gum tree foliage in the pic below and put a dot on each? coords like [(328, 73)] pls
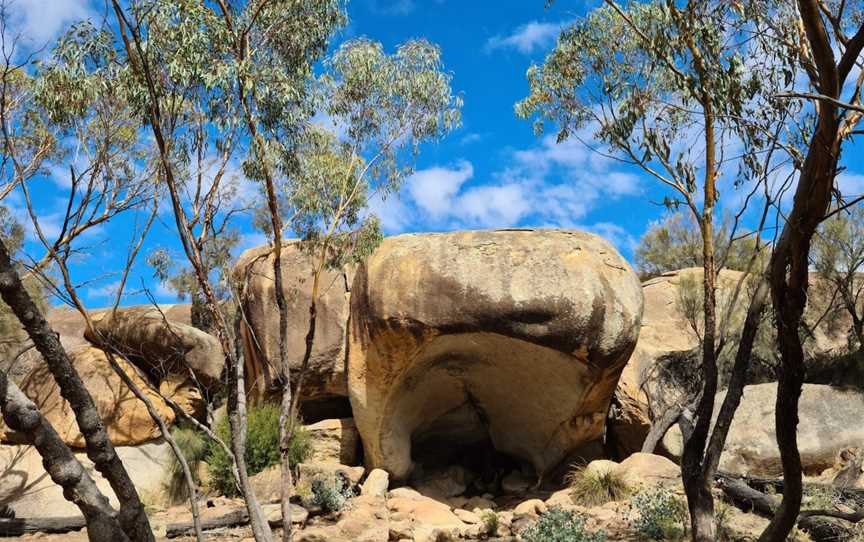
[(838, 258), (675, 242), (678, 90), (245, 70)]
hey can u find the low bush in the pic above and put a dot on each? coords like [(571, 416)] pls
[(262, 447), (658, 514), (490, 522), (331, 494), (593, 488), (559, 525), (193, 446)]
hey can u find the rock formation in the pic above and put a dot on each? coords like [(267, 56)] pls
[(515, 336), (325, 376), (125, 417), (667, 343), (828, 424)]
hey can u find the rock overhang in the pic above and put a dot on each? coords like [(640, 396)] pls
[(531, 326)]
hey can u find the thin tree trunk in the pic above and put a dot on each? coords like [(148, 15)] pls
[(738, 379), (660, 428), (132, 517), (230, 348), (700, 501), (21, 415), (237, 419), (789, 269), (166, 434)]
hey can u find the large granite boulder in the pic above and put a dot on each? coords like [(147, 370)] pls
[(158, 345), (28, 490), (125, 416), (666, 353), (325, 376), (515, 336), (827, 425)]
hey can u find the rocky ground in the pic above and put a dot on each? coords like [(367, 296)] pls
[(382, 514)]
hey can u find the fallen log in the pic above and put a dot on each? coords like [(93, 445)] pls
[(236, 518), (20, 526), (821, 525)]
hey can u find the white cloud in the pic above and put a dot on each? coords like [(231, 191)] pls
[(851, 185), (433, 189), (550, 185), (526, 38), (470, 138), (106, 291), (37, 22), (393, 7)]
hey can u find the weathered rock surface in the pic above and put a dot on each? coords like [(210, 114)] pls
[(520, 335), (666, 338), (376, 484), (158, 345), (334, 441), (828, 424), (326, 371), (125, 416), (29, 491)]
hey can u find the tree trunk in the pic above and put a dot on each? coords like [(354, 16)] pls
[(789, 270), (700, 501), (660, 428), (737, 380), (166, 434), (132, 517), (238, 421), (21, 415)]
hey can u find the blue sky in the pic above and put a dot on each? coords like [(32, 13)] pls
[(491, 173)]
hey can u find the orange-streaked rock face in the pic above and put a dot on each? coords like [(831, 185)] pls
[(514, 335)]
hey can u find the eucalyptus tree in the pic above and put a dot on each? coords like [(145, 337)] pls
[(273, 92), (70, 111), (387, 106), (838, 258), (681, 92), (317, 184), (675, 242), (826, 40)]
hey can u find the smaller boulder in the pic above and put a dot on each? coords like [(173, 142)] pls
[(516, 483), (125, 417), (334, 441), (650, 469), (531, 507), (376, 483)]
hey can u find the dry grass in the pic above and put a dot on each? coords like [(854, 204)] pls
[(591, 488)]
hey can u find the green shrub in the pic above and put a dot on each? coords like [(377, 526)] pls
[(593, 488), (490, 522), (559, 525), (193, 446), (262, 447), (331, 494), (658, 514)]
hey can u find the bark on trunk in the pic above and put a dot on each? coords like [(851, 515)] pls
[(237, 419), (132, 517), (21, 415), (659, 429), (700, 501), (789, 269), (166, 434)]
